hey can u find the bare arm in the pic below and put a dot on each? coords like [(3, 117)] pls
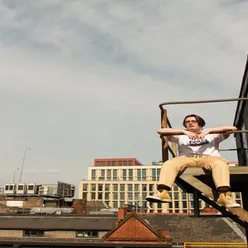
[(172, 131), (222, 129)]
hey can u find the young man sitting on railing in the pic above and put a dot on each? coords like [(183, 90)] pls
[(197, 147)]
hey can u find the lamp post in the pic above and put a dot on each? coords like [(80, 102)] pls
[(23, 160)]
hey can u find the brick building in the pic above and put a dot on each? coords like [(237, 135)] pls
[(127, 229)]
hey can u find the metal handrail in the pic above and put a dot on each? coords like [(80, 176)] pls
[(165, 145), (203, 101), (231, 131)]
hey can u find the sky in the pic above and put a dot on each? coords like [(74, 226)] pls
[(81, 80)]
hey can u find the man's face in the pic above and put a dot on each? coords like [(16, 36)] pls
[(192, 124)]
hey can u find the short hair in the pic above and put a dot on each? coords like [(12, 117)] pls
[(198, 118)]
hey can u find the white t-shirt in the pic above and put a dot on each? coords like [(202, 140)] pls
[(187, 147)]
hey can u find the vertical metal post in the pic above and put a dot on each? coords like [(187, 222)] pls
[(245, 206), (196, 204), (165, 153)]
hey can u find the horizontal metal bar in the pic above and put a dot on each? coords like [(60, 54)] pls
[(203, 101), (233, 149), (181, 133)]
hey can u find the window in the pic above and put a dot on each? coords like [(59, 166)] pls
[(129, 196), (136, 187), (184, 196), (130, 174), (125, 163), (124, 175), (107, 196), (93, 175), (93, 196), (144, 187), (107, 186), (97, 163), (30, 187), (158, 173), (102, 163), (144, 195), (115, 204), (100, 186), (93, 187), (84, 195), (151, 187), (120, 163), (139, 174), (103, 173), (85, 187), (115, 187), (154, 174), (20, 187), (87, 234), (99, 196), (113, 163), (122, 196), (108, 163), (122, 187), (176, 196), (33, 233), (129, 162), (115, 174), (144, 174), (115, 196), (108, 174), (130, 187), (136, 196)]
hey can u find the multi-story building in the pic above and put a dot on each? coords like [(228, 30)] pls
[(118, 185)]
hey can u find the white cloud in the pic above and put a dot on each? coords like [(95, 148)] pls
[(83, 79)]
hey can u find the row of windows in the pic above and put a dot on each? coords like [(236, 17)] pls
[(79, 234), (114, 163), (116, 196), (118, 187), (129, 195), (126, 187), (124, 174), (125, 179)]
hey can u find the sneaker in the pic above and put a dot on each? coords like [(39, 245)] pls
[(159, 197), (226, 200)]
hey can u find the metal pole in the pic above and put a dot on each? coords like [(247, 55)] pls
[(23, 160)]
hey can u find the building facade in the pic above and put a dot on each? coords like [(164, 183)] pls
[(119, 185)]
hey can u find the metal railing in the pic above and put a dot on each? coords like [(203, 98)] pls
[(166, 123)]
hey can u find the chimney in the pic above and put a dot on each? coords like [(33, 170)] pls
[(122, 213)]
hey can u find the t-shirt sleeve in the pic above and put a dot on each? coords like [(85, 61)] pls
[(173, 138), (219, 137)]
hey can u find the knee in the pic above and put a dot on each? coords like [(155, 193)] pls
[(220, 162), (170, 164)]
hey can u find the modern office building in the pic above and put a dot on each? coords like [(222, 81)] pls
[(118, 185)]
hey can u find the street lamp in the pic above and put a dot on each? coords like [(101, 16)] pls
[(24, 156)]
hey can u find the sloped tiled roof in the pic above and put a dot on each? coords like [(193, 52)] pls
[(197, 229), (137, 235)]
